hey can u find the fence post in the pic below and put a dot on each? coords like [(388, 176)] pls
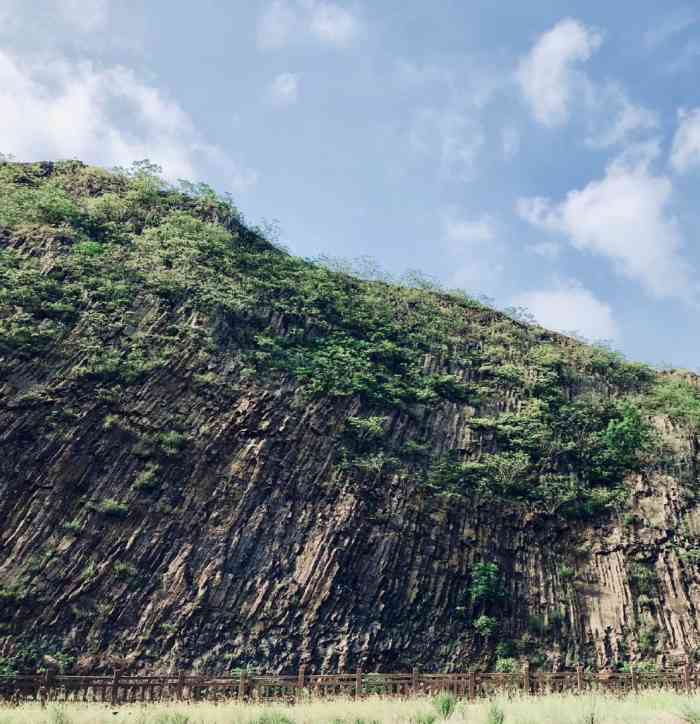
[(180, 685), (635, 682), (300, 677), (686, 677), (115, 688), (579, 678), (358, 682), (414, 681), (471, 685), (242, 685), (526, 676), (42, 693)]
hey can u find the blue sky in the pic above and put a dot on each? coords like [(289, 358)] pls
[(546, 154)]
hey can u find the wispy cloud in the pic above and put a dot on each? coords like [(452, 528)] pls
[(547, 75), (614, 119), (82, 16), (284, 90), (277, 25), (671, 25), (686, 59), (450, 98), (86, 15), (548, 249), (473, 244), (333, 24), (66, 109), (461, 231), (452, 137), (685, 153), (287, 21)]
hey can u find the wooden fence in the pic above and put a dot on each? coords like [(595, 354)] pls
[(122, 689)]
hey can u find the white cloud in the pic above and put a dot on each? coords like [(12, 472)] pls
[(570, 307), (333, 24), (453, 137), (469, 231), (107, 116), (624, 217), (675, 23), (547, 74), (685, 152), (288, 21), (284, 90), (615, 119), (447, 101)]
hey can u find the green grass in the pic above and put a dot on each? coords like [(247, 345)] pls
[(654, 707)]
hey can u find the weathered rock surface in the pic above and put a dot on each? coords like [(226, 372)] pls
[(247, 546)]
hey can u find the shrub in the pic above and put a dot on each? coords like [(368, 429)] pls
[(495, 715), (89, 572), (536, 624), (566, 573), (678, 399), (7, 667), (641, 578), (504, 649), (689, 714), (506, 665), (73, 526), (272, 717), (58, 716), (485, 584), (421, 718), (450, 387), (111, 508), (641, 667), (508, 470), (445, 704), (12, 593), (556, 617), (629, 519), (486, 625), (174, 717), (647, 638), (125, 570), (375, 462), (147, 479), (365, 431), (171, 442)]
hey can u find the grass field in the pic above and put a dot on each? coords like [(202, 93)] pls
[(659, 707)]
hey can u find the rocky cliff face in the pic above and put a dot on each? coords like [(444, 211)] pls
[(203, 467)]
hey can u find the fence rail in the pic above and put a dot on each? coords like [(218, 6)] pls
[(119, 688)]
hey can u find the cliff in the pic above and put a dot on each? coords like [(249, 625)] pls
[(216, 455)]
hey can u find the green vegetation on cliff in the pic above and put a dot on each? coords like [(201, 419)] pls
[(86, 254), (188, 412)]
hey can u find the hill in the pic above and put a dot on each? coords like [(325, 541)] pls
[(214, 454)]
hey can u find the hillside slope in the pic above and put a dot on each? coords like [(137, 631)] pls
[(213, 455)]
